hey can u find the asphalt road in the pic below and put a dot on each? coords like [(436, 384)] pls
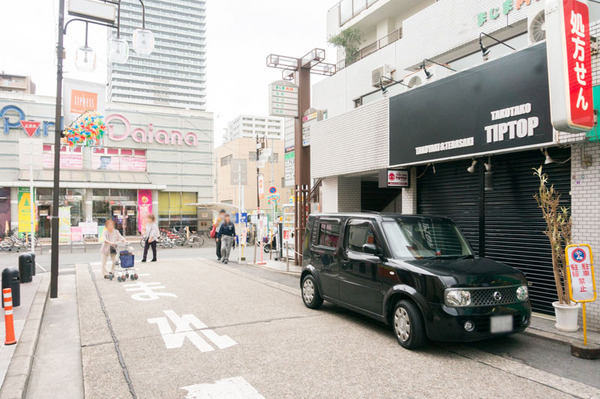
[(207, 330)]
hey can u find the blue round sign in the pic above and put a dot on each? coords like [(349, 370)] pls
[(272, 190), (578, 255)]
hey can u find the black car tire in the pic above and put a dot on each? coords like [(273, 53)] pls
[(414, 336), (310, 293)]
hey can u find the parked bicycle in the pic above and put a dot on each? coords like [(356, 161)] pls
[(14, 242)]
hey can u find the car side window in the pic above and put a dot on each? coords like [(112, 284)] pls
[(358, 235), (329, 234)]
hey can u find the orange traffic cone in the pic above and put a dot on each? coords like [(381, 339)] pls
[(9, 318)]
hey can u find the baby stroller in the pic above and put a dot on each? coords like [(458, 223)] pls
[(125, 267)]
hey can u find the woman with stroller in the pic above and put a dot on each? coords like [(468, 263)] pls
[(151, 234), (111, 237), (226, 235)]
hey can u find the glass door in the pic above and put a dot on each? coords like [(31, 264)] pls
[(130, 220)]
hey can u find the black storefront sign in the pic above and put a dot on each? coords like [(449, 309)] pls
[(495, 107)]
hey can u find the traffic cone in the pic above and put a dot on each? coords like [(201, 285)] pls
[(8, 317)]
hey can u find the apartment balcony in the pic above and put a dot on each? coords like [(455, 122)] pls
[(371, 48)]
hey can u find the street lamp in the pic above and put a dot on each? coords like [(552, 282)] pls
[(485, 51), (99, 13), (143, 41), (428, 74)]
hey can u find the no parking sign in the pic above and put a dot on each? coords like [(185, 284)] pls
[(580, 273)]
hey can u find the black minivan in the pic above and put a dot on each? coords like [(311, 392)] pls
[(416, 273)]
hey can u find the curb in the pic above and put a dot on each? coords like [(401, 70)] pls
[(548, 336), (19, 369), (296, 274)]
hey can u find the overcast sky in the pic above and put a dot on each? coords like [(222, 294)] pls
[(241, 34)]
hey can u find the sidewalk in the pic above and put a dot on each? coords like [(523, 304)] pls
[(271, 264), (543, 327)]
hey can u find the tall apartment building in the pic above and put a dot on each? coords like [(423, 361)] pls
[(250, 126), (16, 83), (174, 75)]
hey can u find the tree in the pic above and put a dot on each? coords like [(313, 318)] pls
[(350, 40), (558, 231)]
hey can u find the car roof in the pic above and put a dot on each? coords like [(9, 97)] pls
[(376, 216)]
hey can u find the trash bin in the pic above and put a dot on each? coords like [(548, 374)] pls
[(10, 279), (32, 263), (25, 268)]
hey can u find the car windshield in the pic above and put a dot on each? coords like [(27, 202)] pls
[(426, 238)]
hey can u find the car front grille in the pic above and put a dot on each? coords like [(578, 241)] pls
[(494, 296)]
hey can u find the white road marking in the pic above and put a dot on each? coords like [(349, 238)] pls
[(41, 267), (185, 327), (147, 289), (229, 388)]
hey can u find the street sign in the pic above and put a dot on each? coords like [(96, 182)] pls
[(580, 265), (289, 170), (261, 187), (569, 65), (283, 99), (311, 116), (30, 127), (241, 219), (272, 190)]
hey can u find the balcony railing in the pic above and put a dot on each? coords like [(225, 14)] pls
[(371, 48), (348, 9)]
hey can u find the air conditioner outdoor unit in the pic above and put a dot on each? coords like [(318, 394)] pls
[(536, 22), (383, 74)]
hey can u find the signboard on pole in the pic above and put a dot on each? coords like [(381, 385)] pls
[(24, 210), (569, 65), (580, 274), (311, 116), (261, 187), (64, 224), (283, 99), (289, 169), (80, 96)]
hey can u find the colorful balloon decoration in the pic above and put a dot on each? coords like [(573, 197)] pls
[(86, 131)]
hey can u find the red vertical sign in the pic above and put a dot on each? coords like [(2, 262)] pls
[(579, 66)]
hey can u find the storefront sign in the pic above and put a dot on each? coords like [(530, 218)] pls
[(24, 210), (30, 127), (89, 228), (580, 265), (12, 116), (261, 187), (570, 66), (4, 210), (64, 224), (144, 207), (80, 96), (504, 8), (68, 159), (140, 135), (497, 107), (393, 178), (76, 234)]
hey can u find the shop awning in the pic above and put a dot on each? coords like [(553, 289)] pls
[(87, 179)]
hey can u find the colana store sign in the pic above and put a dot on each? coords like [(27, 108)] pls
[(500, 106), (12, 116), (148, 135)]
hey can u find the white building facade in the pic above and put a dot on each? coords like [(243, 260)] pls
[(174, 75), (251, 126), (431, 127)]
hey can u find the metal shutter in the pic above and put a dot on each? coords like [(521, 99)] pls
[(514, 227)]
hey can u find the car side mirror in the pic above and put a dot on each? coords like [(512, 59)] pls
[(372, 249)]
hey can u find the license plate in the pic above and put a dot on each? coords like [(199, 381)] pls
[(500, 324)]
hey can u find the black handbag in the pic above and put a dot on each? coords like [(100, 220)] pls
[(113, 250)]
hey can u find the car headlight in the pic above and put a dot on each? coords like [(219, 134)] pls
[(458, 298), (522, 293)]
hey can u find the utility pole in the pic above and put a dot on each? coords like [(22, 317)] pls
[(300, 69), (57, 137)]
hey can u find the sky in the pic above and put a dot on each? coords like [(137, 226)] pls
[(241, 34)]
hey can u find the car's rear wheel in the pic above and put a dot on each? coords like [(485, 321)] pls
[(310, 293), (408, 325)]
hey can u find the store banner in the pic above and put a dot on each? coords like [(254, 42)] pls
[(144, 207), (76, 234), (64, 224), (4, 211), (496, 107), (80, 96), (24, 210)]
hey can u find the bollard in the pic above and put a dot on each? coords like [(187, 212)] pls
[(8, 317), (287, 256)]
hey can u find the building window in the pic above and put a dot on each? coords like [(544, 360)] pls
[(226, 160)]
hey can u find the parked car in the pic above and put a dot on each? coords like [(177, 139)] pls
[(415, 273)]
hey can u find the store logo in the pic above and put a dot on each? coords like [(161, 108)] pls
[(13, 116), (140, 135), (82, 101), (505, 8), (515, 129)]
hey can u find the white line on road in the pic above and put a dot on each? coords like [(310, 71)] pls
[(230, 388), (41, 267)]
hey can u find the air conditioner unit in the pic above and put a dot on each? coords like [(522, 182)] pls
[(383, 74), (536, 22)]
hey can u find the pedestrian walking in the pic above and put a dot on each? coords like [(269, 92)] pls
[(226, 235), (151, 234), (215, 231), (111, 237)]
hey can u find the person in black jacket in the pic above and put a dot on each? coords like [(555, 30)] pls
[(226, 235)]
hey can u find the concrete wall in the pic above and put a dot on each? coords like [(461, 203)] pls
[(341, 194)]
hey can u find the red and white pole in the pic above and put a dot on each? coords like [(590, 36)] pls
[(9, 321)]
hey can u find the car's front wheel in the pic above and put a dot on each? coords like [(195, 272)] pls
[(408, 324), (310, 293)]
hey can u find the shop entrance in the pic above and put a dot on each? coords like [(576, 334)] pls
[(503, 222), (375, 199), (116, 214), (44, 224), (130, 220)]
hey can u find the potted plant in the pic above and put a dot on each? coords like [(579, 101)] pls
[(559, 232), (350, 40)]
